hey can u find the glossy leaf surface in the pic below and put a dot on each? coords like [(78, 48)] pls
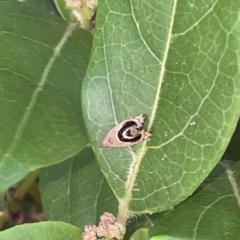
[(178, 63), (42, 63)]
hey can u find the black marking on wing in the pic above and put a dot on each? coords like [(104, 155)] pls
[(125, 133)]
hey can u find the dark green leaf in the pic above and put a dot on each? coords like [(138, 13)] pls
[(42, 63), (75, 191), (211, 213)]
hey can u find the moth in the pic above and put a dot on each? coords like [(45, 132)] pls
[(126, 133)]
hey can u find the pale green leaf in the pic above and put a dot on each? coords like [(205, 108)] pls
[(63, 10), (177, 62), (42, 231), (141, 233)]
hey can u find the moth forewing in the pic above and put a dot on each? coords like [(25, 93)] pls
[(126, 133)]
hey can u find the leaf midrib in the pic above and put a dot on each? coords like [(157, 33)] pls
[(137, 158), (66, 34)]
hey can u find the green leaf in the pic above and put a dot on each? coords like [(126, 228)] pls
[(75, 191), (178, 63), (211, 213), (141, 233), (43, 230), (42, 63)]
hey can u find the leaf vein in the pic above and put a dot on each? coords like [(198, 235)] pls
[(38, 89)]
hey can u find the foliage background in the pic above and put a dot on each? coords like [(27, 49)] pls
[(176, 62)]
